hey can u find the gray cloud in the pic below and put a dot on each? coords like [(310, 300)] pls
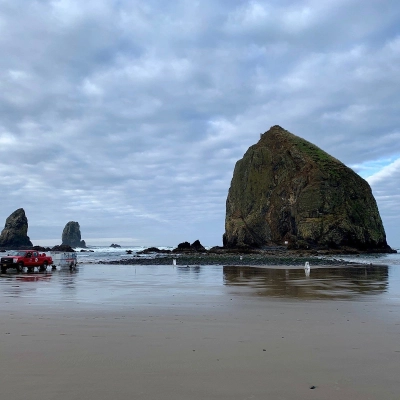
[(129, 117)]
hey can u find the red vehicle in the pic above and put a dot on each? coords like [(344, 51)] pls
[(25, 258)]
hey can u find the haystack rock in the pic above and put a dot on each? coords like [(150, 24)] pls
[(285, 189), (15, 232), (71, 235)]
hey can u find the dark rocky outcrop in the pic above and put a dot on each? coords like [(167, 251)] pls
[(41, 248), (285, 189), (184, 246), (150, 250), (196, 246), (114, 245), (15, 232), (64, 247), (71, 235)]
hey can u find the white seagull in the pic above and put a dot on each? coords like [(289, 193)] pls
[(307, 268)]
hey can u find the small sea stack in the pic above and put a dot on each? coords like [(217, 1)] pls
[(71, 235), (15, 232)]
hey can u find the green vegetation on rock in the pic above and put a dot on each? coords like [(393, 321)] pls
[(286, 189)]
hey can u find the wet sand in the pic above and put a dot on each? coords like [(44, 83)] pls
[(223, 340)]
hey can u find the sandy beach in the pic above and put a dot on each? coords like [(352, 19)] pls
[(192, 339)]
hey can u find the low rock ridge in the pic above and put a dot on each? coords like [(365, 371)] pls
[(276, 251), (184, 247)]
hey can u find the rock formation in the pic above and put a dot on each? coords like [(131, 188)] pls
[(184, 246), (150, 250), (285, 189), (196, 246), (71, 235), (64, 247), (15, 232)]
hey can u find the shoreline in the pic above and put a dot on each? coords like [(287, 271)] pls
[(228, 259)]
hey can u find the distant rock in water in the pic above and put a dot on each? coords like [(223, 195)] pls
[(286, 189), (71, 235), (115, 245), (15, 232)]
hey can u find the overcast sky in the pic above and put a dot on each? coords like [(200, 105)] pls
[(128, 116)]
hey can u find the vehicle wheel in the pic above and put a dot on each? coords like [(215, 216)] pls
[(20, 267), (44, 266)]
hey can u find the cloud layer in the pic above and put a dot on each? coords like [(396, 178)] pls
[(129, 116)]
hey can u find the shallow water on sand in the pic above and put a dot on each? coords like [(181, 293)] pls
[(108, 286), (200, 332)]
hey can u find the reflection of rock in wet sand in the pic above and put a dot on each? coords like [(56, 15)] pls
[(33, 277), (189, 268), (329, 283)]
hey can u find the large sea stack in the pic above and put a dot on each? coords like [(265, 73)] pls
[(285, 189), (15, 232), (71, 235)]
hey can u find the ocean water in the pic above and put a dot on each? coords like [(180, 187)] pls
[(92, 254)]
